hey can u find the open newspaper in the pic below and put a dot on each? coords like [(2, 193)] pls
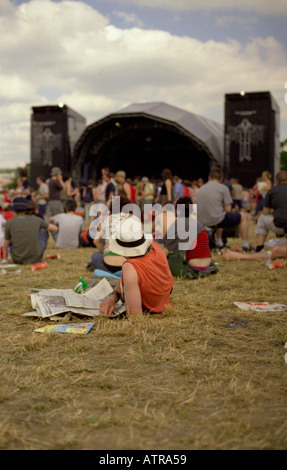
[(49, 303)]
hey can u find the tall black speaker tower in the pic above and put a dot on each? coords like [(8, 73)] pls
[(55, 130), (251, 136)]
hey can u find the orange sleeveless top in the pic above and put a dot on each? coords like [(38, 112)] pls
[(154, 278)]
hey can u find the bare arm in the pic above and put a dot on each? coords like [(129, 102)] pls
[(98, 242), (128, 191), (71, 192), (166, 251), (168, 189), (6, 246), (60, 179), (110, 196), (107, 306), (53, 228), (133, 299)]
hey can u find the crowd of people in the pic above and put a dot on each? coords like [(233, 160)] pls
[(178, 243)]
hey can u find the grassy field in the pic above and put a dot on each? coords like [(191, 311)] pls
[(202, 375)]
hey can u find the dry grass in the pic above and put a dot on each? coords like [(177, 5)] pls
[(177, 381)]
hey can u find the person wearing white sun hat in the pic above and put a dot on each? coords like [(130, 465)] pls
[(146, 282)]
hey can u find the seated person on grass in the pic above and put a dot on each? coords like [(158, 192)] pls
[(274, 217), (146, 282), (214, 209), (105, 259), (194, 261), (24, 234), (70, 226)]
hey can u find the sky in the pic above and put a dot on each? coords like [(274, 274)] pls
[(97, 56)]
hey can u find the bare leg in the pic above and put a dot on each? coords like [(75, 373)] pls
[(229, 255), (243, 226), (279, 251), (132, 291), (218, 235), (261, 239)]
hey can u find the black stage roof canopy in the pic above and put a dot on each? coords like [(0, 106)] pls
[(144, 138)]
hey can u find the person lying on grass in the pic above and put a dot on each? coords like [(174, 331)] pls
[(279, 251), (146, 282)]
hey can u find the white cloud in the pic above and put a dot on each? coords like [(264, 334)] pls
[(264, 7), (129, 18), (243, 21), (97, 68)]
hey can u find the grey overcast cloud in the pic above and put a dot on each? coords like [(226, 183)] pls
[(97, 56)]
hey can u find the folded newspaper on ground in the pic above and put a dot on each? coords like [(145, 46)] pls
[(49, 303), (261, 306)]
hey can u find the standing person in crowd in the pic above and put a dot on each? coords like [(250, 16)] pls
[(87, 193), (274, 216), (263, 185), (200, 182), (133, 189), (259, 191), (214, 209), (123, 188), (99, 191), (69, 189), (178, 186), (42, 195), (146, 282), (2, 226), (246, 199), (56, 185), (88, 199), (139, 194), (162, 219), (237, 192), (148, 190), (22, 234), (6, 212), (7, 200), (70, 226), (266, 176), (193, 191), (110, 188), (187, 189), (23, 188), (144, 193), (226, 181), (165, 188)]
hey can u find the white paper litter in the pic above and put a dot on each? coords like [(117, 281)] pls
[(51, 302), (261, 306)]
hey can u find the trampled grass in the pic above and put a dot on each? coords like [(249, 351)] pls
[(202, 375)]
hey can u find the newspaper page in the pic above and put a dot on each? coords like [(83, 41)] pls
[(52, 302), (261, 306)]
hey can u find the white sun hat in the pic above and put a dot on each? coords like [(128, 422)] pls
[(128, 238)]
